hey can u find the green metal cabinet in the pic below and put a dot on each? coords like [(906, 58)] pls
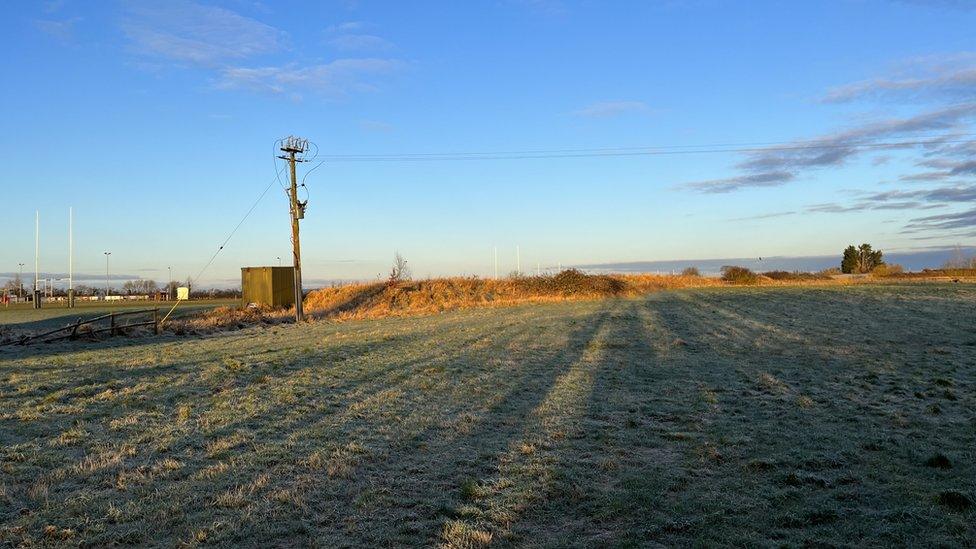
[(271, 286)]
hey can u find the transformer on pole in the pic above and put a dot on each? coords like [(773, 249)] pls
[(293, 146)]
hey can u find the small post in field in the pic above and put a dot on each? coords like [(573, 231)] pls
[(156, 326)]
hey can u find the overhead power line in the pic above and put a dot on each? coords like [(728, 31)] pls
[(239, 223), (637, 151)]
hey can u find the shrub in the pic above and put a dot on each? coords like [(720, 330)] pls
[(780, 275), (690, 271), (829, 272), (739, 275), (576, 282), (795, 275), (887, 270)]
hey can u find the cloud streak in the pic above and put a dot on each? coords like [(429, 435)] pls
[(228, 44), (361, 42), (340, 77), (776, 166), (729, 184), (759, 217), (198, 34), (611, 109), (955, 83), (947, 156), (62, 30)]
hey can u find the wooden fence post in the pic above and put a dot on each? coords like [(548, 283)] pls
[(156, 320), (111, 330)]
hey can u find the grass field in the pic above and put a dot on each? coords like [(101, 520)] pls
[(745, 416), (22, 317)]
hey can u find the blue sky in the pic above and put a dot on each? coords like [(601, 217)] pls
[(156, 121)]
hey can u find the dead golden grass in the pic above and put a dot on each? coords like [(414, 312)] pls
[(377, 300), (431, 296)]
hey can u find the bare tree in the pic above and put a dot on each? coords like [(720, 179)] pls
[(147, 286), (14, 284), (400, 271)]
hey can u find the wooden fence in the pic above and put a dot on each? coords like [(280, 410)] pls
[(115, 327)]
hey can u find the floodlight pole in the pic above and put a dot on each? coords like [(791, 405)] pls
[(496, 262), (37, 260), (106, 274), (293, 146), (71, 258)]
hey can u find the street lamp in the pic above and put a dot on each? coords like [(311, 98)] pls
[(279, 261), (106, 274), (20, 278)]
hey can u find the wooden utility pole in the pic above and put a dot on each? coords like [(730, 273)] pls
[(293, 146)]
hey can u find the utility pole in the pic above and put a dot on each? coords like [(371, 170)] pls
[(169, 285), (293, 146), (20, 278), (106, 274)]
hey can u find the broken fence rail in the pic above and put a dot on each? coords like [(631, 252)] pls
[(113, 328)]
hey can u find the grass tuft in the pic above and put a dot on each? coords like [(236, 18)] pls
[(938, 461), (954, 500)]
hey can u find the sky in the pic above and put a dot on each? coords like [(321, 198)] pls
[(673, 130)]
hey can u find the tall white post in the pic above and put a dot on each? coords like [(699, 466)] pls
[(37, 247), (496, 262), (71, 248), (71, 256)]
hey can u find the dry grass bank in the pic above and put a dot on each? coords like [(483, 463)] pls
[(425, 297), (380, 299), (435, 295)]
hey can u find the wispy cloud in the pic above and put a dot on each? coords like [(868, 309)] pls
[(926, 79), (778, 165), (356, 36), (348, 26), (53, 6), (947, 155), (62, 30), (609, 109), (763, 216), (340, 77), (375, 126), (835, 149), (729, 184), (923, 199), (946, 221), (199, 34), (230, 44), (360, 42)]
